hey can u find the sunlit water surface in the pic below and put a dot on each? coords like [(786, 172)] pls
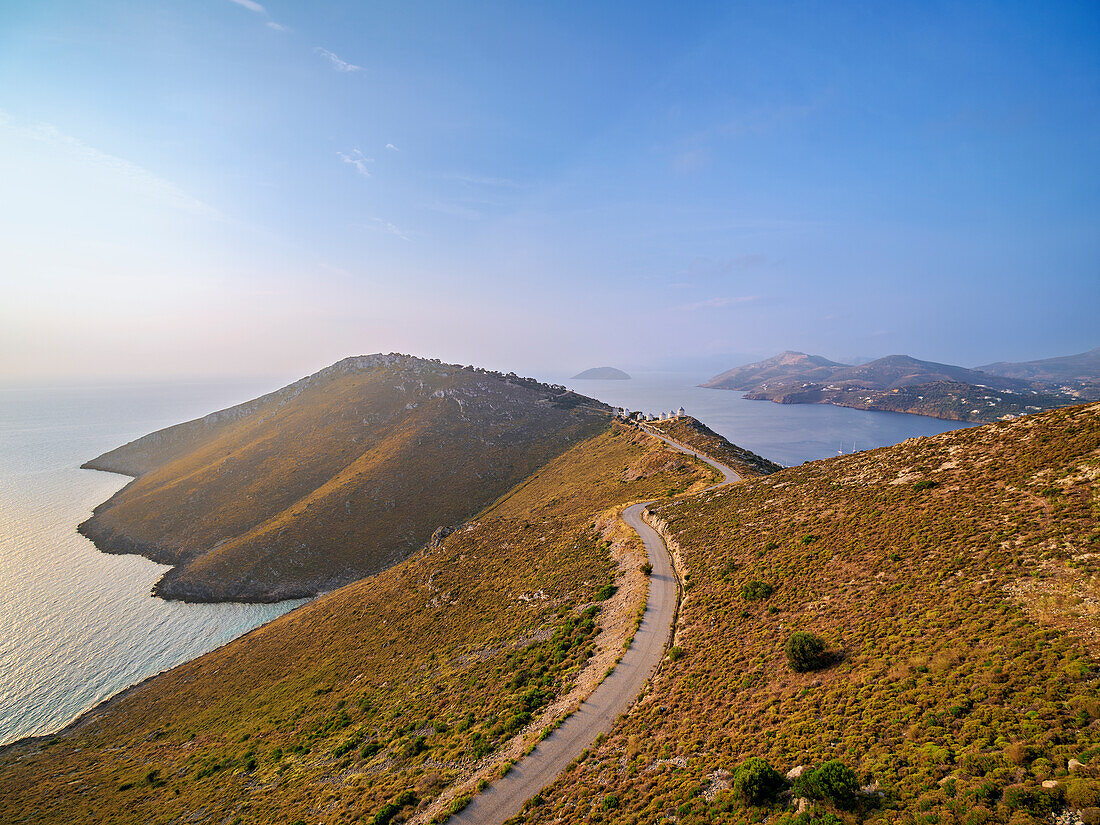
[(77, 625)]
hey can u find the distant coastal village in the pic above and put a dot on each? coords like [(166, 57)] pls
[(629, 415)]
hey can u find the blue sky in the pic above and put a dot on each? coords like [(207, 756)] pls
[(224, 187)]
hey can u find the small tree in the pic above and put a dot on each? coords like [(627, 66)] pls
[(805, 651), (756, 590), (833, 781), (756, 781)]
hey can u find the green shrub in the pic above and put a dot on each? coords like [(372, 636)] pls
[(1083, 793), (605, 592), (832, 781), (805, 651), (391, 809), (926, 484), (756, 590), (756, 781), (676, 653)]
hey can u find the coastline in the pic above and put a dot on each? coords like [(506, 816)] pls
[(93, 713)]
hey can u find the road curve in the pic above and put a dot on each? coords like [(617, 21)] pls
[(505, 797)]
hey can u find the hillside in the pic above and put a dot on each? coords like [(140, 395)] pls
[(603, 374), (390, 690), (954, 581), (699, 436), (896, 383), (332, 478), (1084, 366), (787, 366)]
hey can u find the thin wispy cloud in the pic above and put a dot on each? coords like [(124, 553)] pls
[(337, 63), (358, 160), (390, 229), (139, 179), (253, 6), (717, 303), (391, 147), (250, 5)]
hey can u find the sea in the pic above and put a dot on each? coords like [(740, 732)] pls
[(77, 626)]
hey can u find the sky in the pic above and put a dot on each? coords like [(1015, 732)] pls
[(222, 188)]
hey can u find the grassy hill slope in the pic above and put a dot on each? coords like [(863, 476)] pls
[(956, 583), (388, 690), (699, 436), (332, 478)]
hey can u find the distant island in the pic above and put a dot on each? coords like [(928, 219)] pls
[(901, 383), (602, 374)]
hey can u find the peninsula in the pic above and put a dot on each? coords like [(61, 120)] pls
[(901, 383), (332, 478)]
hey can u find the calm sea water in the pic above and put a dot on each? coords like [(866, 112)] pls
[(787, 433), (77, 625)]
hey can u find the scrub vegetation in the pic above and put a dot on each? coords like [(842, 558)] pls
[(332, 478), (367, 703), (960, 621), (699, 436)]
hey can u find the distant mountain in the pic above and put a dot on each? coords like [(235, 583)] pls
[(332, 478), (1084, 366), (603, 374), (895, 371), (896, 383), (787, 366)]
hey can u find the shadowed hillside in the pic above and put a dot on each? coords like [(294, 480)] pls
[(955, 584), (388, 690), (332, 478)]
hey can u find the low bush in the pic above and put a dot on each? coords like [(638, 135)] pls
[(832, 781), (605, 593), (1083, 793), (806, 652), (756, 781), (756, 590), (390, 810)]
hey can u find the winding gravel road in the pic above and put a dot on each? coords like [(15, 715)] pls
[(505, 797)]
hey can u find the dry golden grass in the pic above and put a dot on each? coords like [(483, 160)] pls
[(954, 687), (333, 478), (401, 683)]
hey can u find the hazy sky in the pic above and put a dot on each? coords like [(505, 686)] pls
[(223, 187)]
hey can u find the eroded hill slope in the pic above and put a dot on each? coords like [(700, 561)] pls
[(332, 478), (955, 581)]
